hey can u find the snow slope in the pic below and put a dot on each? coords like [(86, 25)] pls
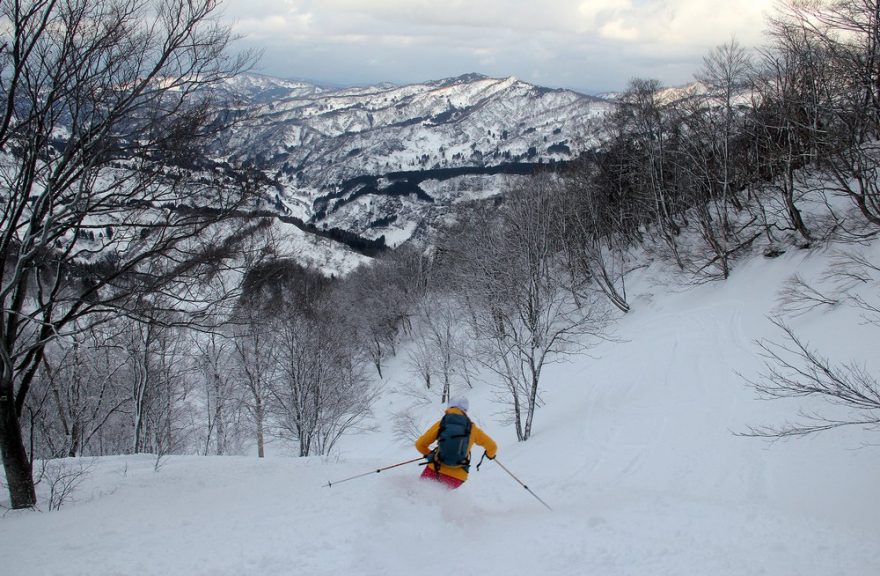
[(634, 451)]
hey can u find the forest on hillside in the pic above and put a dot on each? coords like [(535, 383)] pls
[(131, 327)]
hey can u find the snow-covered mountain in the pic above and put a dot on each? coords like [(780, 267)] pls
[(375, 159)]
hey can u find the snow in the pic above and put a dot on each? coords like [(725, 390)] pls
[(395, 235), (321, 254), (634, 450)]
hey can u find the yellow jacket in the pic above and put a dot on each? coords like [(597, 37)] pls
[(477, 437)]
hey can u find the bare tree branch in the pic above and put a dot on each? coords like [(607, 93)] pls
[(794, 370)]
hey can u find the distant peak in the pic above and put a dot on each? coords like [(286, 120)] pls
[(463, 79), (471, 77)]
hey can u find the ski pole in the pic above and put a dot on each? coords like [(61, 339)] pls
[(330, 484), (503, 467)]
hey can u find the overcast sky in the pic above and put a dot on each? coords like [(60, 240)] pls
[(587, 45)]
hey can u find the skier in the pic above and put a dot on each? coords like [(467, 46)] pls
[(449, 461)]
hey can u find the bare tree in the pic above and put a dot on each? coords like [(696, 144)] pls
[(83, 375), (214, 366), (382, 298), (727, 73), (274, 289), (799, 296), (64, 476), (695, 158), (420, 359), (848, 35), (707, 128), (794, 370), (407, 426), (512, 277), (320, 391), (592, 235), (101, 104), (254, 368), (371, 303), (645, 125), (160, 384), (851, 270), (440, 355), (781, 129)]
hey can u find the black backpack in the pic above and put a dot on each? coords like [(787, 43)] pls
[(453, 440)]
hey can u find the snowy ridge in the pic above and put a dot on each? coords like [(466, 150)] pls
[(311, 140), (256, 88)]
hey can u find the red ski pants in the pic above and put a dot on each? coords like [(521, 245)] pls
[(430, 474)]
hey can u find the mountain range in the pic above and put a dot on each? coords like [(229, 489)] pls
[(387, 161)]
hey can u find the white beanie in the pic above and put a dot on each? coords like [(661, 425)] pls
[(459, 402)]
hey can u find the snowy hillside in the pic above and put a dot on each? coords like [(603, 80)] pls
[(320, 138), (634, 450), (328, 149)]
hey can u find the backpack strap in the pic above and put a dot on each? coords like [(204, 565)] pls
[(467, 433), (437, 449)]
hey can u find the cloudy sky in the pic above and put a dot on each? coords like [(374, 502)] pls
[(586, 45)]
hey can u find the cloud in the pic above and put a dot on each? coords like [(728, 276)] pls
[(268, 20), (675, 23), (265, 27), (486, 57), (619, 30), (592, 14), (603, 42), (690, 22)]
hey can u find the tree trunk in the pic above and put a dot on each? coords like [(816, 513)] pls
[(517, 411), (532, 403), (75, 438), (793, 213), (220, 399), (261, 443), (16, 463), (377, 357)]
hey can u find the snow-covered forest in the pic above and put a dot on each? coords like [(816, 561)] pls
[(616, 322)]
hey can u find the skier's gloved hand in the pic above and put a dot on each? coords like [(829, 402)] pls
[(483, 457), (491, 456), (429, 457)]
